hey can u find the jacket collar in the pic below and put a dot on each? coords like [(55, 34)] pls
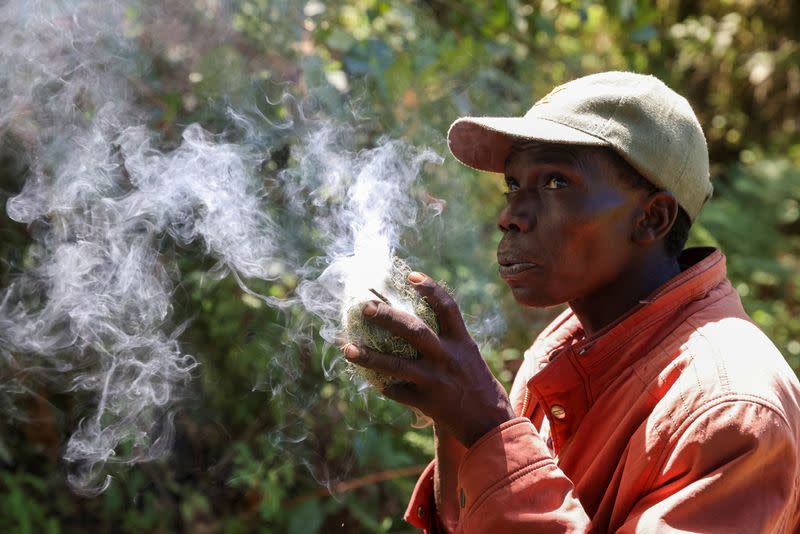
[(576, 369)]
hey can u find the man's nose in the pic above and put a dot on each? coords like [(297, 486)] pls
[(515, 218)]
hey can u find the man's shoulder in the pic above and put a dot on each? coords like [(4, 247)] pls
[(732, 356), (720, 365)]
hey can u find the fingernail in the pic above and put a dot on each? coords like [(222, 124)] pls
[(370, 309), (350, 351), (416, 278)]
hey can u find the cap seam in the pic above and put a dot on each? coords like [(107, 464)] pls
[(613, 114), (574, 128), (539, 138), (681, 175), (624, 153)]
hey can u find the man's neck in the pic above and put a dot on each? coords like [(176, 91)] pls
[(599, 310)]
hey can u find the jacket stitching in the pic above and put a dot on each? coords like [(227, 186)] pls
[(507, 480), (497, 431), (702, 410), (681, 390), (646, 383), (614, 348), (663, 438), (719, 362)]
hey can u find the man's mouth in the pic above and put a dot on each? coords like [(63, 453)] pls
[(508, 269)]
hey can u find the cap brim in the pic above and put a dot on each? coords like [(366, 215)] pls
[(484, 143)]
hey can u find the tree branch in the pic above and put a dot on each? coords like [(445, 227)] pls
[(355, 483)]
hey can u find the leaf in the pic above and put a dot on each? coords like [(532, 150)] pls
[(305, 518), (644, 34), (5, 454)]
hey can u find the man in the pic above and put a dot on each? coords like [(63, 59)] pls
[(653, 403)]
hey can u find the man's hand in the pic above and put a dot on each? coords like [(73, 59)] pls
[(451, 382)]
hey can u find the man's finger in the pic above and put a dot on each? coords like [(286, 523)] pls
[(404, 393), (444, 306), (402, 324), (394, 366)]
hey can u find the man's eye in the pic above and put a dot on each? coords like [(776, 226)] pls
[(512, 186), (555, 181)]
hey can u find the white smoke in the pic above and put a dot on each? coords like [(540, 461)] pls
[(367, 209), (111, 206)]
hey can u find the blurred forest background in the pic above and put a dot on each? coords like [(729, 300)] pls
[(266, 442)]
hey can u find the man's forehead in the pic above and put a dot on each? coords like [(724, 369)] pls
[(528, 152)]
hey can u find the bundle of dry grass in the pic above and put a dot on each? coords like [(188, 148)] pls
[(399, 292)]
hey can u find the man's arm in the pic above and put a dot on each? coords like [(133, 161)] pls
[(449, 453), (733, 467), (741, 454), (507, 482), (483, 449)]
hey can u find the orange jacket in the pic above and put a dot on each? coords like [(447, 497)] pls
[(680, 417)]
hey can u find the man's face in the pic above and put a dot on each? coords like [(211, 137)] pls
[(567, 224)]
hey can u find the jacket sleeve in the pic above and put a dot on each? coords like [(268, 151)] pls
[(733, 467), (508, 482), (421, 511), (434, 507)]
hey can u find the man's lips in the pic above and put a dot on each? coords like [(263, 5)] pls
[(509, 269)]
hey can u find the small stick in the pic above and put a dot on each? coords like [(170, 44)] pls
[(384, 299), (356, 483)]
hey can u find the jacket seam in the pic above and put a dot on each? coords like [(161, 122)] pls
[(683, 350), (655, 318), (507, 480), (723, 371), (731, 398), (663, 439), (499, 430)]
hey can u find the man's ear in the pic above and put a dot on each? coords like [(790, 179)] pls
[(654, 222)]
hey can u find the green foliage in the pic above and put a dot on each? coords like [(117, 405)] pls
[(273, 420), (755, 220), (23, 504)]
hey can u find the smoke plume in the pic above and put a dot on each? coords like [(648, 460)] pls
[(111, 205)]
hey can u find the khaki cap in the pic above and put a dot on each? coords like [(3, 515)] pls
[(642, 119)]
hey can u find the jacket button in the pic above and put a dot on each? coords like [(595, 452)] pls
[(558, 412), (421, 511), (462, 498)]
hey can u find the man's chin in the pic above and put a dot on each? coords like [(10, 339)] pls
[(535, 299)]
